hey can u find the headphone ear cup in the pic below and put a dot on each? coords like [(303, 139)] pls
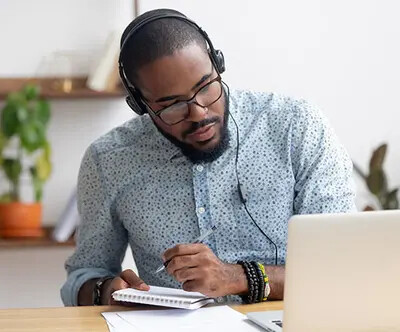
[(219, 60), (139, 109)]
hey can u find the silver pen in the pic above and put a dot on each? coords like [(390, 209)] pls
[(197, 240)]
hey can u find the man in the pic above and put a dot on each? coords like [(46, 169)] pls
[(162, 179)]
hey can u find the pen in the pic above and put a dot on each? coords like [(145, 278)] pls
[(197, 240)]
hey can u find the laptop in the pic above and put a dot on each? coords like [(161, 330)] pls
[(342, 274)]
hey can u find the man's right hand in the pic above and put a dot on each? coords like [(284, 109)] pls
[(127, 279)]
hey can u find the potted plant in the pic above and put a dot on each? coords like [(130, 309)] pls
[(24, 149), (376, 181)]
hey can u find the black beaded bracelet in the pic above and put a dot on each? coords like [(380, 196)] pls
[(261, 282), (253, 283), (247, 298), (256, 284)]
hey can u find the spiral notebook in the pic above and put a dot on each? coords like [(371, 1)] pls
[(163, 296)]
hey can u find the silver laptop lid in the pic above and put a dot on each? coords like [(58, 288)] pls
[(343, 272)]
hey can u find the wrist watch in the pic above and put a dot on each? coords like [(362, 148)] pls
[(98, 288)]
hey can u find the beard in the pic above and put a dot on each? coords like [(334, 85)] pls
[(197, 156)]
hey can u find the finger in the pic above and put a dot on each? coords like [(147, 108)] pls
[(196, 285), (184, 275), (133, 280), (182, 262), (184, 249), (116, 284)]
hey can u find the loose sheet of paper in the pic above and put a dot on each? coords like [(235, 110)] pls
[(215, 318)]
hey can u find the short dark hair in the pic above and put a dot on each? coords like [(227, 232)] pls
[(156, 39)]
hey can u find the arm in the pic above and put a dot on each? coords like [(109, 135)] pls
[(321, 166), (197, 267), (101, 240), (127, 279)]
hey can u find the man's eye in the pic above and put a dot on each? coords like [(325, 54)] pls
[(167, 105), (205, 88)]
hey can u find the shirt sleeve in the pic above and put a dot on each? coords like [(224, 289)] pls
[(101, 238), (322, 168)]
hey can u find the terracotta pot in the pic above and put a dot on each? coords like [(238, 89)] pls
[(20, 219)]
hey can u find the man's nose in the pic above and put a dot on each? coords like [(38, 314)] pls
[(197, 113)]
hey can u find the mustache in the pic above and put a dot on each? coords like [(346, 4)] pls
[(197, 125)]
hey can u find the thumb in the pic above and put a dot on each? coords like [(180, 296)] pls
[(133, 280)]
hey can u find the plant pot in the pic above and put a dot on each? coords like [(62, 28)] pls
[(20, 220)]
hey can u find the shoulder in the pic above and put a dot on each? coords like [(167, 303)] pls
[(272, 110), (126, 136), (270, 103)]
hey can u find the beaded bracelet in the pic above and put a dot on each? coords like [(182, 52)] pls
[(257, 280), (267, 288), (261, 283), (253, 271), (248, 298)]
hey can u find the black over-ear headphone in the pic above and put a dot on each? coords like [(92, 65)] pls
[(134, 99)]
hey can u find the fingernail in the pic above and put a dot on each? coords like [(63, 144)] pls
[(142, 286)]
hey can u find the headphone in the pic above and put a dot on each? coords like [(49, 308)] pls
[(134, 99)]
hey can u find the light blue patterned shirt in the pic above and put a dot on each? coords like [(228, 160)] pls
[(135, 187)]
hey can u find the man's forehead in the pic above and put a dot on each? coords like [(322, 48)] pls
[(177, 74)]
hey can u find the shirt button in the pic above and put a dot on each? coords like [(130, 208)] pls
[(199, 168), (201, 210)]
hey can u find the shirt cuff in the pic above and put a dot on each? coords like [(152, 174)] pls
[(69, 291)]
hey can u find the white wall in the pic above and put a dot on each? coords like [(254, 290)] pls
[(32, 277), (30, 33), (341, 55)]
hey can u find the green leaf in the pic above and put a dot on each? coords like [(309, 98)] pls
[(378, 157), (41, 111), (31, 91), (22, 114), (12, 168), (358, 170), (376, 182), (43, 167), (392, 202), (3, 142), (47, 150), (33, 136), (9, 121), (37, 186)]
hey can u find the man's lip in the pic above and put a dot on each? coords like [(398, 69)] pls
[(201, 130)]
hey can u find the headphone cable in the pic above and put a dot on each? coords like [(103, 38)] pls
[(241, 196)]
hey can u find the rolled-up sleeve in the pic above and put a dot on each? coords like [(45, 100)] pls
[(322, 167), (101, 237)]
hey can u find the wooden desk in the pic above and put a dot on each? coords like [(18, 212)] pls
[(76, 319)]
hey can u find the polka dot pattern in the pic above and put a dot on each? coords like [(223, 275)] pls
[(136, 188)]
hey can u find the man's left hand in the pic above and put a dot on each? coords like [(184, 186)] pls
[(197, 267)]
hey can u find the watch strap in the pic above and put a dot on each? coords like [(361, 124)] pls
[(97, 289)]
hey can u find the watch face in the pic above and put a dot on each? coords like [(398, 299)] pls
[(267, 290)]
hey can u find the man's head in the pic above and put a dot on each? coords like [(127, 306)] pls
[(168, 63)]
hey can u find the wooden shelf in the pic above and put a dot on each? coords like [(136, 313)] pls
[(51, 88), (45, 241)]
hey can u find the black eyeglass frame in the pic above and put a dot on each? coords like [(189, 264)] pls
[(191, 100)]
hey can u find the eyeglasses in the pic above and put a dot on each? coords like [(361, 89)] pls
[(179, 111)]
